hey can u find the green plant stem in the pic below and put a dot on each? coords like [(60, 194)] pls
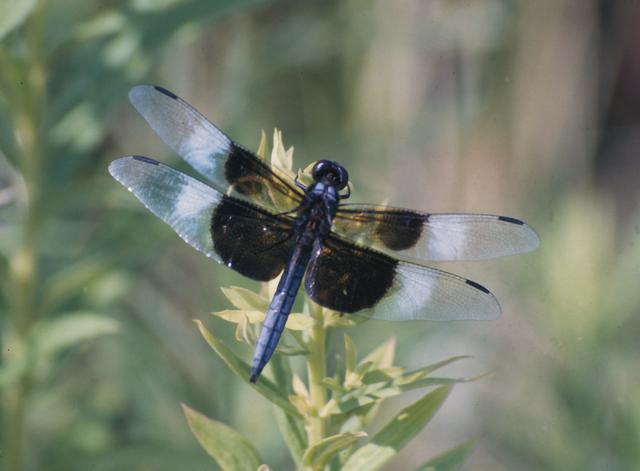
[(317, 372), (29, 94)]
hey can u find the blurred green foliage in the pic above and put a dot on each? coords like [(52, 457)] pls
[(524, 108)]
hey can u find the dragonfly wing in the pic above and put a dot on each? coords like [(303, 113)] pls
[(353, 279), (229, 167), (412, 235), (248, 239)]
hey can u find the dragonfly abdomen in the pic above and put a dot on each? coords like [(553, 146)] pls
[(279, 310)]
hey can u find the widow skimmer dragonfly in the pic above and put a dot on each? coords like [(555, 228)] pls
[(353, 258)]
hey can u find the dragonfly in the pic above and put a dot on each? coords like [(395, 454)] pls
[(259, 221)]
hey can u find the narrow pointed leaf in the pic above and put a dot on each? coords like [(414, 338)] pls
[(396, 434), (265, 387), (321, 453), (450, 460), (382, 357), (263, 147), (299, 387), (245, 299), (230, 450), (280, 156), (420, 373), (291, 427), (350, 354), (296, 321)]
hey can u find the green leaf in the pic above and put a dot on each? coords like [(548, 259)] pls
[(350, 354), (295, 321), (230, 450), (280, 156), (291, 427), (419, 374), (319, 454), (382, 357), (352, 401), (53, 336), (245, 299), (263, 147), (450, 460), (265, 387), (397, 433), (13, 13)]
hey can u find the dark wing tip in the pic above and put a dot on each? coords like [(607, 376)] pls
[(478, 286), (146, 160), (492, 311), (511, 220), (533, 238), (140, 91), (165, 92)]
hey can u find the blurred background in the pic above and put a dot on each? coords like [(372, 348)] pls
[(528, 109)]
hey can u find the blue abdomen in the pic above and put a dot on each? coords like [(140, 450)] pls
[(279, 310)]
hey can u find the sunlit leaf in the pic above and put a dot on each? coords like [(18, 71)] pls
[(280, 156), (295, 321), (301, 404), (245, 299), (263, 147), (382, 357), (319, 454), (333, 384), (450, 460), (13, 13), (350, 353), (291, 350), (396, 434), (416, 375), (264, 386), (230, 450), (383, 375), (334, 319), (244, 332), (299, 387)]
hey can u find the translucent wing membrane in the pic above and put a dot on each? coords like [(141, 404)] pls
[(229, 167), (247, 239), (355, 279), (413, 235), (179, 200)]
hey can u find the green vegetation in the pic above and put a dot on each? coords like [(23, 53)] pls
[(528, 109)]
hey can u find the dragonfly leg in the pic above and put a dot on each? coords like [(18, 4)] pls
[(346, 196), (298, 184)]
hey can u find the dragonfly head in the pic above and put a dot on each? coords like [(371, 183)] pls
[(332, 172)]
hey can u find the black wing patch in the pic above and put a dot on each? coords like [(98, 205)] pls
[(350, 278), (347, 278), (229, 167), (416, 236), (251, 241)]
